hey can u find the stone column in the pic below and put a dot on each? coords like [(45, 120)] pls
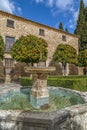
[(39, 95), (7, 78)]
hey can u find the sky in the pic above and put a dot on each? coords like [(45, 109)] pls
[(48, 12)]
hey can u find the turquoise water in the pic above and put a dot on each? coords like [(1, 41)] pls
[(59, 99)]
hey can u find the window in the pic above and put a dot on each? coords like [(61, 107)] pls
[(41, 32), (8, 63), (63, 38), (9, 41), (10, 23)]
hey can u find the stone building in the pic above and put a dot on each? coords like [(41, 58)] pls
[(12, 27)]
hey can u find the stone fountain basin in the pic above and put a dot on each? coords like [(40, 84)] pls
[(74, 117)]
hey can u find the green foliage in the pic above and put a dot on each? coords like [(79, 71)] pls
[(25, 81), (65, 54), (29, 49), (42, 44), (85, 12), (82, 58), (81, 28), (81, 19), (72, 82), (1, 48), (61, 26)]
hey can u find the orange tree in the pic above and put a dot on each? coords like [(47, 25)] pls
[(1, 48), (65, 54), (29, 49)]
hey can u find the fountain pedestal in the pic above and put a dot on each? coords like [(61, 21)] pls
[(39, 95)]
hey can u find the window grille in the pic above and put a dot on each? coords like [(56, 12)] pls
[(9, 41)]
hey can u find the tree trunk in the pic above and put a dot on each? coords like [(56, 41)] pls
[(32, 64), (85, 71), (64, 69)]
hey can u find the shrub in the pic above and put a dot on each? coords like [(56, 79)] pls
[(76, 83), (25, 81), (72, 82)]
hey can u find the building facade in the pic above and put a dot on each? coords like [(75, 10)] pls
[(12, 27)]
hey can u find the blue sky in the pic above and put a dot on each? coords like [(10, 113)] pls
[(48, 12)]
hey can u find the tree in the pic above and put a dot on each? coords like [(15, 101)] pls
[(29, 49), (85, 12), (43, 49), (65, 54), (81, 19), (67, 30), (61, 26), (1, 48), (81, 28), (82, 59)]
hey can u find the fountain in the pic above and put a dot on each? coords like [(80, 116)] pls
[(67, 118), (41, 115), (39, 95)]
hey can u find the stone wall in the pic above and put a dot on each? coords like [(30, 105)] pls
[(72, 118), (24, 27), (69, 118)]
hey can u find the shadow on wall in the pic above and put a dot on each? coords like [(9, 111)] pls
[(18, 71), (73, 69), (85, 70), (58, 70)]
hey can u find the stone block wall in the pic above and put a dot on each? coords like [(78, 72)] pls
[(25, 27), (71, 118)]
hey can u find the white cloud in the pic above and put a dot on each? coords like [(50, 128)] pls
[(85, 2), (72, 22), (61, 4), (71, 26), (19, 10), (9, 6), (50, 3), (64, 4), (75, 15), (64, 7), (38, 1)]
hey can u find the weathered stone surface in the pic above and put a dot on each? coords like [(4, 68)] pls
[(25, 27), (39, 94), (70, 118)]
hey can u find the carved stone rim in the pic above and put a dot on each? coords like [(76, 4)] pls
[(39, 69)]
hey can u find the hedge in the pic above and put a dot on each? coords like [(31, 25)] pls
[(76, 84), (72, 82), (25, 81)]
